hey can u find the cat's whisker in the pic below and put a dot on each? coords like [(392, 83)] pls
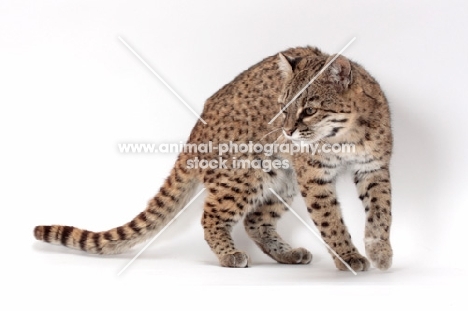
[(279, 137), (279, 128)]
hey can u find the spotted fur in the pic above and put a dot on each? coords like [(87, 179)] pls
[(344, 105)]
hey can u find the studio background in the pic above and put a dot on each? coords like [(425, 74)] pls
[(71, 92)]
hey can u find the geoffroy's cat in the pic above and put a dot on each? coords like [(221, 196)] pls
[(343, 105)]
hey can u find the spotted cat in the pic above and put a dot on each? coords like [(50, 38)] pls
[(343, 105)]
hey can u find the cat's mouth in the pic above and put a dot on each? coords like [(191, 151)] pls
[(296, 137), (301, 140)]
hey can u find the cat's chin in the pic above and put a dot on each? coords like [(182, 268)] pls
[(302, 140)]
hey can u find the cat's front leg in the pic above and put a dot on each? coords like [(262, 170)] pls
[(316, 179), (374, 190)]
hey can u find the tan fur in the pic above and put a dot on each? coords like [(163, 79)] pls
[(346, 105)]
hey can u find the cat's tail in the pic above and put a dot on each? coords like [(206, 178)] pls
[(175, 193)]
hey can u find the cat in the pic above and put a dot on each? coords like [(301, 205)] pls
[(264, 104)]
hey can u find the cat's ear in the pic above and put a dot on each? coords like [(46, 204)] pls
[(287, 65), (339, 73)]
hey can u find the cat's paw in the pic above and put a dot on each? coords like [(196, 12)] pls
[(235, 260), (380, 253), (295, 256), (356, 261)]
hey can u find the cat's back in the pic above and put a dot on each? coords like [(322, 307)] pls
[(242, 109)]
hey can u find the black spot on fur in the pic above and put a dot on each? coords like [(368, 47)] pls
[(316, 206)]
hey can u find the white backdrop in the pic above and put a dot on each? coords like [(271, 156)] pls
[(71, 91)]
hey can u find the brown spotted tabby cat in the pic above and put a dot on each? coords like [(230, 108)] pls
[(343, 105)]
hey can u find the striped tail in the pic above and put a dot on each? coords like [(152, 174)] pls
[(177, 190)]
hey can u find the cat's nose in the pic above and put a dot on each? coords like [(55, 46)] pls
[(289, 132)]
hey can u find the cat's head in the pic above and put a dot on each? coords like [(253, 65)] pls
[(320, 111)]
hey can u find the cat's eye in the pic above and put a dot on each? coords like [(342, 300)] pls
[(310, 111)]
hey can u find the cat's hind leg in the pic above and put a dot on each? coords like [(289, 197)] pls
[(260, 225), (221, 213)]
